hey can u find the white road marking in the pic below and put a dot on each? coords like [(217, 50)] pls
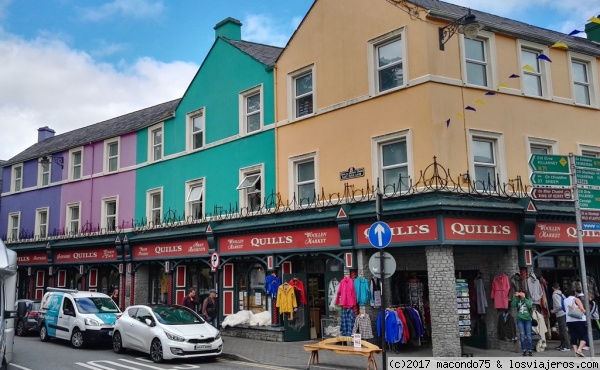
[(19, 366)]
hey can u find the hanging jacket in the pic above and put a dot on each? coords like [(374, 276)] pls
[(346, 296), (393, 326), (272, 284), (334, 286), (507, 327), (481, 296), (299, 287), (363, 294), (286, 299), (362, 325), (375, 289), (405, 332), (518, 284), (500, 287), (535, 288)]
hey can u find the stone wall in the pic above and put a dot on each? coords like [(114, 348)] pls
[(142, 284), (271, 334)]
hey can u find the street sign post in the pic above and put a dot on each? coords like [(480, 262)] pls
[(549, 163), (590, 226), (587, 162), (380, 234), (590, 215), (552, 194), (389, 265), (589, 198), (588, 177), (550, 179)]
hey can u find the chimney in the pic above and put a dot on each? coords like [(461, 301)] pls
[(593, 31), (229, 28), (45, 133)]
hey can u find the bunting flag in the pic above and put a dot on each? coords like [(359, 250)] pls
[(575, 32), (490, 92), (479, 101), (543, 57), (448, 122), (594, 20), (468, 107), (460, 115), (502, 85), (514, 75), (559, 45), (529, 68)]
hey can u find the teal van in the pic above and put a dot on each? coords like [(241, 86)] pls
[(78, 316)]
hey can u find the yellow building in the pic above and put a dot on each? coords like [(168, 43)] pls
[(366, 95)]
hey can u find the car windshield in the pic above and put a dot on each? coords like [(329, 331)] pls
[(96, 305), (171, 315)]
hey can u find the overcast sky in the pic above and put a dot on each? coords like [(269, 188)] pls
[(70, 63)]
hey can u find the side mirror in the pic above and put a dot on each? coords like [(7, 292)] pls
[(149, 322), (22, 309)]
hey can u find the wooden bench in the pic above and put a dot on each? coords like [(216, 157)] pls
[(343, 346)]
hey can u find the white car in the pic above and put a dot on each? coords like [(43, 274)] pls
[(166, 332)]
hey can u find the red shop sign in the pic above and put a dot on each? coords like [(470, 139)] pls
[(172, 249), (552, 232), (87, 255), (481, 230), (328, 237), (404, 231), (32, 258)]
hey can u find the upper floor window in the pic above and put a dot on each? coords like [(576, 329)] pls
[(156, 143), (534, 74), (488, 165), (154, 206), (303, 92), (251, 188), (391, 158), (109, 217), (542, 146), (251, 102), (73, 218), (196, 124), (17, 183), (304, 179), (476, 59), (581, 82), (44, 173), (194, 200), (41, 223), (589, 151), (14, 224), (389, 65), (76, 164), (112, 156)]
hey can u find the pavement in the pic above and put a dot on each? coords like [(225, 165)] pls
[(293, 355)]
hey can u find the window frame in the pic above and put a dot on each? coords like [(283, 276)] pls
[(293, 175), (590, 64), (13, 233), (243, 109), (377, 144), (16, 183), (201, 112), (498, 146), (108, 158), (39, 224), (73, 166), (292, 78), (42, 174), (589, 150), (189, 204), (489, 48), (69, 220), (373, 64), (531, 142), (149, 206), (544, 70), (244, 195), (152, 146), (105, 223)]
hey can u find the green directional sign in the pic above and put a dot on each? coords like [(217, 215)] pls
[(587, 162), (550, 179), (549, 163), (589, 198), (587, 177)]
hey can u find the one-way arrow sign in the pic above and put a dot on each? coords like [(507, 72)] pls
[(380, 234)]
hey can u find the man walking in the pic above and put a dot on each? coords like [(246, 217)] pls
[(190, 300), (210, 308), (561, 317)]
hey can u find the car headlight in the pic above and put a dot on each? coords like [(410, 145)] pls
[(218, 336), (91, 322), (174, 337)]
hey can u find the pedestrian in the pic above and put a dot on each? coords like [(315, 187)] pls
[(524, 308), (561, 317), (115, 296), (577, 324), (190, 300), (210, 307)]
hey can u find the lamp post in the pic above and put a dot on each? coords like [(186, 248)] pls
[(467, 25)]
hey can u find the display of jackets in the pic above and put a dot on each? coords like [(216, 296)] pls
[(286, 299), (535, 288), (272, 283), (334, 286), (362, 325), (518, 284), (375, 292), (346, 296), (500, 288), (393, 326), (507, 327), (363, 293), (299, 287), (481, 296), (347, 321)]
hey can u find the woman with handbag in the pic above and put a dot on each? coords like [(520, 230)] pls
[(524, 321), (576, 322)]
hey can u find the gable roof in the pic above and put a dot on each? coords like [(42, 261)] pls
[(113, 127), (265, 54), (450, 12)]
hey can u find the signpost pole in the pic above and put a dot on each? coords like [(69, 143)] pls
[(379, 211), (583, 272)]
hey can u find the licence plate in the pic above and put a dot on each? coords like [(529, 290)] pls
[(202, 346)]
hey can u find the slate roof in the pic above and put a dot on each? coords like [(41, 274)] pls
[(451, 12), (113, 127), (265, 54)]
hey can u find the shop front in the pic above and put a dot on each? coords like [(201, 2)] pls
[(32, 273)]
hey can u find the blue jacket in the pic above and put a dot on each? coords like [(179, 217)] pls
[(363, 294), (393, 327)]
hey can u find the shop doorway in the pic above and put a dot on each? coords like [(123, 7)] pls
[(298, 328)]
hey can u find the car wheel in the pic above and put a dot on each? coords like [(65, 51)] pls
[(20, 328), (44, 333), (118, 343), (156, 351), (77, 338)]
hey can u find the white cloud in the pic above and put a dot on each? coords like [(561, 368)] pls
[(45, 83), (264, 30), (139, 9)]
